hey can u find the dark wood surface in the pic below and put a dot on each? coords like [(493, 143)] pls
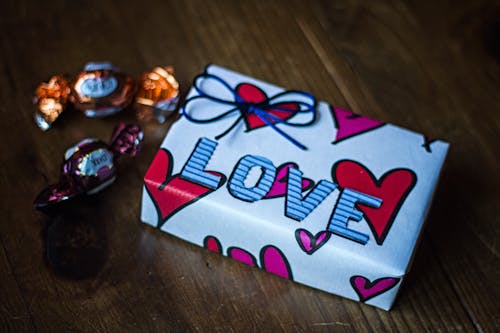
[(431, 66)]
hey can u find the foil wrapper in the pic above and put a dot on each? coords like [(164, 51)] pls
[(50, 101), (158, 94), (101, 90), (90, 166)]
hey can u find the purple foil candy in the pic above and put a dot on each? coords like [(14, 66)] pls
[(89, 166), (126, 139)]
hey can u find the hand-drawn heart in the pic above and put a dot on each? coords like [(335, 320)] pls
[(309, 243), (253, 94), (272, 260), (211, 243), (393, 188), (350, 124), (278, 189), (367, 290), (242, 256), (170, 193)]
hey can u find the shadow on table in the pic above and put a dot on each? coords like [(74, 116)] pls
[(76, 243)]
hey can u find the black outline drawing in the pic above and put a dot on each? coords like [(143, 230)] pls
[(427, 144), (313, 238)]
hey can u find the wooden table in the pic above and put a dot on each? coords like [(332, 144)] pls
[(433, 67)]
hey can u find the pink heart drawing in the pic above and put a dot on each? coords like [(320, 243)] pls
[(350, 124), (278, 189), (272, 260), (367, 290), (170, 193), (309, 243), (242, 256)]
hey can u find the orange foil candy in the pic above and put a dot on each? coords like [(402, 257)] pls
[(158, 94), (50, 100), (102, 90)]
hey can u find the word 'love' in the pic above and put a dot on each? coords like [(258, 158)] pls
[(297, 206)]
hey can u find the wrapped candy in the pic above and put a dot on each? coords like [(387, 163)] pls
[(102, 90), (90, 165), (158, 94), (50, 100)]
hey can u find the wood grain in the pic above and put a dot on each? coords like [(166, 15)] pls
[(433, 67)]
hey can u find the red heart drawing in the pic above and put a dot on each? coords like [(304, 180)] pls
[(253, 94), (393, 188), (278, 189), (309, 243), (211, 243), (172, 193), (350, 124), (367, 290)]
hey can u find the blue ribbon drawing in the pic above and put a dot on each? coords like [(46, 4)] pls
[(262, 109)]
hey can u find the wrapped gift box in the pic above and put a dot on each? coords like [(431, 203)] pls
[(301, 189)]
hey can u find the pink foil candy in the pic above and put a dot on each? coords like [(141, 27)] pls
[(89, 166), (126, 139)]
